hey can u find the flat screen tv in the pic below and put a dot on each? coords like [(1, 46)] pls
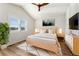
[(48, 22), (74, 22)]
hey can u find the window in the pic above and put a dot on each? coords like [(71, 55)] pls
[(23, 25), (16, 24)]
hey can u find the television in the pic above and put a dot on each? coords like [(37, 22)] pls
[(48, 22), (74, 22)]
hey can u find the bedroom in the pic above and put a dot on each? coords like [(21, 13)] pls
[(29, 20)]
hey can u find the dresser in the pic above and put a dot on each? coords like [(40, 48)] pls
[(72, 41), (69, 41), (76, 44)]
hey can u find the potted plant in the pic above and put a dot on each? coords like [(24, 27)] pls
[(4, 34)]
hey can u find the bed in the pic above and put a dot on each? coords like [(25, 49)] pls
[(45, 41)]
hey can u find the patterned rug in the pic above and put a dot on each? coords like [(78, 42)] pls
[(37, 51)]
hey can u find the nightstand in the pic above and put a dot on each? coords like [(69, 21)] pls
[(60, 36)]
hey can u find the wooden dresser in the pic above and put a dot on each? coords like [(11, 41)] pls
[(76, 44), (72, 41)]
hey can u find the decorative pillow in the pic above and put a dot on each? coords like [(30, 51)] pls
[(47, 31), (42, 30), (52, 31)]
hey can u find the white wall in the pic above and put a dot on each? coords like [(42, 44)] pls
[(7, 10), (59, 20), (73, 9)]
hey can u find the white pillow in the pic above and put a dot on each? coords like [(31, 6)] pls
[(52, 31)]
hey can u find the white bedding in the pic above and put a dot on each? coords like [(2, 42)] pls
[(44, 37)]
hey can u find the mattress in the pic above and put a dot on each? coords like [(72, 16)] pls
[(44, 37)]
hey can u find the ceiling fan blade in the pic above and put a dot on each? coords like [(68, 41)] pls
[(44, 4), (34, 4)]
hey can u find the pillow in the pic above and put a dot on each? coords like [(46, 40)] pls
[(52, 31), (47, 31), (42, 30)]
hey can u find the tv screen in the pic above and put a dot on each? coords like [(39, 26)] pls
[(74, 22), (48, 22)]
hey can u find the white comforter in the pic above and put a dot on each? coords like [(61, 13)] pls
[(44, 37)]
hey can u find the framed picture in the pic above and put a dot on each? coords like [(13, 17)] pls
[(48, 22)]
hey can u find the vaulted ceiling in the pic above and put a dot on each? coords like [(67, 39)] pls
[(51, 8)]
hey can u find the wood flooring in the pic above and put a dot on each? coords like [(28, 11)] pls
[(13, 50), (65, 50)]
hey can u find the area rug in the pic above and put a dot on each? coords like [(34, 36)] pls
[(37, 51)]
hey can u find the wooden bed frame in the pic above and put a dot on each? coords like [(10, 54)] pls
[(50, 47)]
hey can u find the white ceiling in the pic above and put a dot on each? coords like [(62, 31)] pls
[(52, 9)]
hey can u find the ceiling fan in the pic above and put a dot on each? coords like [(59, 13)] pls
[(39, 5)]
